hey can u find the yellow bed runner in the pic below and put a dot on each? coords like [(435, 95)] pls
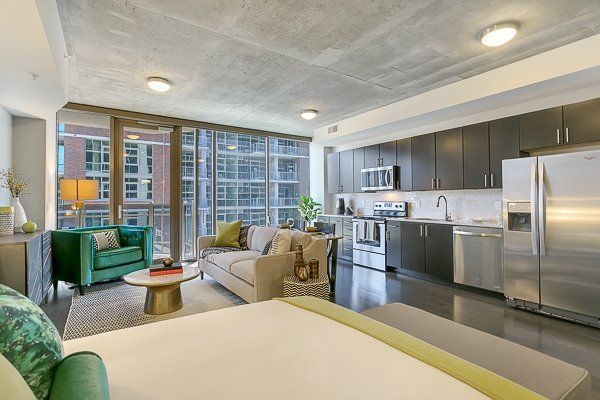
[(486, 382)]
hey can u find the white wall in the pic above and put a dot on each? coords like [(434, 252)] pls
[(317, 173), (5, 149), (29, 160)]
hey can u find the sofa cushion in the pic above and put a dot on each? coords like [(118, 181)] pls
[(224, 260), (261, 236), (228, 234), (249, 237), (244, 270), (113, 257), (281, 242), (29, 341)]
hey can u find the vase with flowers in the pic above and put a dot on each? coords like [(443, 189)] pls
[(17, 186)]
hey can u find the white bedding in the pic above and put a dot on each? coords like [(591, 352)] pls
[(262, 351)]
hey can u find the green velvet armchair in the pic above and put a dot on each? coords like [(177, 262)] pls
[(75, 261)]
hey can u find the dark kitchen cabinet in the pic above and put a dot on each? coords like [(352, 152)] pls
[(372, 156), (387, 154), (394, 244), (359, 164), (439, 251), (541, 129), (449, 159), (582, 122), (403, 160), (346, 176), (504, 145), (412, 246), (476, 157), (333, 173), (423, 162)]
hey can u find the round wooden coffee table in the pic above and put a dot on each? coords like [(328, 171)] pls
[(163, 293)]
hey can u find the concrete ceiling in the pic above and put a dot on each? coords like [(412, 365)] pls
[(258, 63)]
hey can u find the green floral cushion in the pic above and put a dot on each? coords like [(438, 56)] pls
[(29, 340)]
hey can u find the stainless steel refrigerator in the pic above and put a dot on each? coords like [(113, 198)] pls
[(551, 207)]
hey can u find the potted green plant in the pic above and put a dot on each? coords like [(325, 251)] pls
[(309, 209)]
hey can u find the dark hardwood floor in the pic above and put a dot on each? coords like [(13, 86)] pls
[(361, 288)]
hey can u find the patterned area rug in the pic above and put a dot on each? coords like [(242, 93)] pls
[(117, 305)]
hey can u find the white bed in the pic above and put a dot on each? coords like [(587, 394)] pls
[(267, 350)]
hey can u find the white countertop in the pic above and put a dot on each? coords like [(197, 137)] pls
[(487, 223)]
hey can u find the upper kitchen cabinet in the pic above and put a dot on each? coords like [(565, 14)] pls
[(476, 161), (541, 129), (504, 145), (346, 176), (404, 161), (380, 155), (449, 159), (359, 164), (423, 162), (582, 122), (372, 156), (333, 173), (387, 154)]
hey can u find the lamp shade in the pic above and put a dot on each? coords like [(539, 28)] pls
[(78, 189)]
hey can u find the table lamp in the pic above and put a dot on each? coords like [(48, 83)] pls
[(79, 190)]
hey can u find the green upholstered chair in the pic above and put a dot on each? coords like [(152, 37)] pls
[(74, 259)]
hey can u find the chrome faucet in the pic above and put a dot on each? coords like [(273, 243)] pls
[(447, 217)]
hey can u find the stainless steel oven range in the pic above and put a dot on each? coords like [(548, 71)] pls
[(369, 234)]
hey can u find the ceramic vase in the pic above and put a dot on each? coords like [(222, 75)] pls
[(20, 217)]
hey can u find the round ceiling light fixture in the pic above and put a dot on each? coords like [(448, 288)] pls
[(231, 147), (499, 34), (158, 84), (308, 114), (133, 136)]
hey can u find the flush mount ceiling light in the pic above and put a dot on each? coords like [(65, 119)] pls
[(158, 84), (308, 114), (499, 34), (231, 147), (133, 136)]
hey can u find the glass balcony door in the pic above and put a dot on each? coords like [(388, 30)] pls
[(144, 184)]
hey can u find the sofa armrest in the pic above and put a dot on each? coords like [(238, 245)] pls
[(80, 376), (317, 248), (205, 241), (140, 236), (269, 271), (72, 256)]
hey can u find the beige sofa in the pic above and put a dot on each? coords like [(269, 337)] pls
[(256, 277)]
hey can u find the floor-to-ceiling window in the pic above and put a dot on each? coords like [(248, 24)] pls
[(241, 178), (84, 153), (288, 178)]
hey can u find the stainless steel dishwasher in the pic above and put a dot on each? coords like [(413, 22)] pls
[(478, 257)]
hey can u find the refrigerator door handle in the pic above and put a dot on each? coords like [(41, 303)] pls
[(541, 206), (534, 210)]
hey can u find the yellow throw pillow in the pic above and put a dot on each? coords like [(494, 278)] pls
[(228, 234)]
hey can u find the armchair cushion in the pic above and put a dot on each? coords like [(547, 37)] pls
[(80, 376), (119, 256), (29, 341)]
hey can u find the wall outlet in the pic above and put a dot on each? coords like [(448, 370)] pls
[(498, 205)]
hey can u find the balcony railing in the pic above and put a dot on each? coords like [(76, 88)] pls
[(284, 150), (283, 202), (283, 176)]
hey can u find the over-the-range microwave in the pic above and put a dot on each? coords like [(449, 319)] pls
[(380, 178)]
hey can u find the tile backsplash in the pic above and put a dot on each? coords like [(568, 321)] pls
[(462, 204)]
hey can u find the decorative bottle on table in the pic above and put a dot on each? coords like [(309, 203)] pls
[(299, 268), (313, 266)]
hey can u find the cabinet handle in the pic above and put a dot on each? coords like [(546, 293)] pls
[(426, 231), (567, 135), (433, 183), (558, 136), (492, 180), (439, 185), (421, 226), (484, 180), (387, 236)]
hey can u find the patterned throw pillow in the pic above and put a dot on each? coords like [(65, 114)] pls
[(29, 341), (267, 248), (105, 240), (244, 237), (281, 242)]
